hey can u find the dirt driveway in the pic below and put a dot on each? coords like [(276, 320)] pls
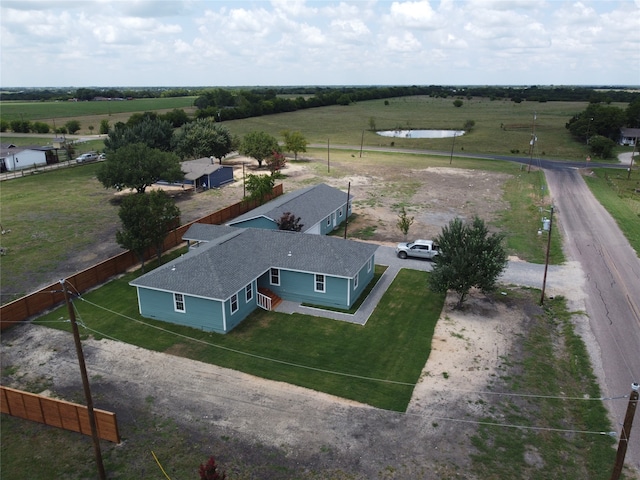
[(312, 434)]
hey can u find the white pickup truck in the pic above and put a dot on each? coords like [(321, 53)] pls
[(418, 248)]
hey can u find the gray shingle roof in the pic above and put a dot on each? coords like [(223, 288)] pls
[(197, 168), (312, 204), (224, 266)]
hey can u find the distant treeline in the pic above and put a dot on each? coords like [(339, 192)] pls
[(252, 101)]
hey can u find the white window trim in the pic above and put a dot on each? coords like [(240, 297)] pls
[(248, 292), (231, 302), (355, 281), (178, 298), (329, 220), (315, 283), (277, 275), (369, 263)]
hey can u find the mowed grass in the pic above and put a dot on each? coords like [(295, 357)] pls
[(501, 127), (377, 364), (50, 216)]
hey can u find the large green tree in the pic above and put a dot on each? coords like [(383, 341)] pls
[(151, 131), (138, 166), (259, 145), (146, 220), (597, 119), (203, 138), (469, 257), (294, 142)]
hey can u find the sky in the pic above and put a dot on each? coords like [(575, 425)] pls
[(184, 43)]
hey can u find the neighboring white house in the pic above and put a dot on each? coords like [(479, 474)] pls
[(629, 136), (17, 158)]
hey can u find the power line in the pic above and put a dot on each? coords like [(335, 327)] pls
[(333, 372)]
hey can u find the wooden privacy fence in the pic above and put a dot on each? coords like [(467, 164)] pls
[(58, 413), (52, 295)]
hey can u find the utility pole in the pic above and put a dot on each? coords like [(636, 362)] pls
[(346, 218), (361, 143), (85, 383), (452, 145), (532, 142), (623, 443), (632, 155), (328, 164), (546, 262)]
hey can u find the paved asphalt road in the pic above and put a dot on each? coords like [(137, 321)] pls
[(592, 237)]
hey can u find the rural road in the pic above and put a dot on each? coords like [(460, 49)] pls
[(612, 289)]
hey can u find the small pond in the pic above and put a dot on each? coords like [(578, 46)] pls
[(421, 133)]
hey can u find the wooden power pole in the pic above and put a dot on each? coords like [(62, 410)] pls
[(623, 443), (85, 383)]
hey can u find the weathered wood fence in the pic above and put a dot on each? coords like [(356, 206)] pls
[(58, 413), (52, 295)]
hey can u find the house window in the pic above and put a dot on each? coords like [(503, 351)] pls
[(355, 281), (178, 302), (248, 292), (369, 264), (275, 276), (320, 284), (340, 213), (234, 303), (328, 220)]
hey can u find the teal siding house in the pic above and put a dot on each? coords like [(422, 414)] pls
[(228, 272), (321, 209)]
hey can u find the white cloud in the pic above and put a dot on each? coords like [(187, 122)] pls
[(196, 42)]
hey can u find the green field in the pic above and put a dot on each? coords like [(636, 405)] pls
[(47, 112), (502, 127)]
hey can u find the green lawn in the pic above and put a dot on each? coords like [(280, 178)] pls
[(378, 364), (51, 216)]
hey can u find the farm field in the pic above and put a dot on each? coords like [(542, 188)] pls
[(501, 126)]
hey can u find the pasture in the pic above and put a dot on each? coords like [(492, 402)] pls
[(501, 127)]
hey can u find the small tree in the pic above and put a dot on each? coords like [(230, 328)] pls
[(468, 125), (259, 145), (104, 126), (372, 124), (276, 162), (259, 186), (210, 471), (288, 221), (469, 257), (404, 222), (457, 103), (294, 142), (164, 216), (601, 146), (146, 220), (72, 126)]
